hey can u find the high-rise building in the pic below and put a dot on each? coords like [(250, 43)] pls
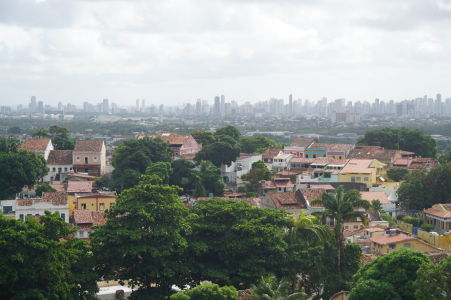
[(33, 105), (137, 105), (290, 104), (217, 106), (143, 105), (105, 106)]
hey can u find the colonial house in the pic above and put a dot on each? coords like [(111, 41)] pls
[(39, 146), (298, 146), (387, 156), (50, 201), (182, 146), (95, 202), (269, 154), (89, 156), (339, 151), (289, 201), (394, 239), (367, 171), (85, 220), (381, 196), (59, 164), (316, 150), (439, 215)]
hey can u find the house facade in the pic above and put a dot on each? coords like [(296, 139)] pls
[(89, 156), (393, 239), (59, 164), (362, 171), (439, 215), (96, 202), (182, 146), (50, 201), (281, 162), (298, 146), (39, 146)]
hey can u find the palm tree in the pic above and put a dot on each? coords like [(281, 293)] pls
[(340, 207), (376, 205), (270, 288)]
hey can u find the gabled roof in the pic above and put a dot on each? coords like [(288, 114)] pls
[(439, 210), (79, 187), (60, 157), (270, 153), (361, 166), (88, 145), (172, 138), (302, 142), (95, 218), (55, 198), (35, 144), (376, 152), (287, 200), (311, 195), (389, 239)]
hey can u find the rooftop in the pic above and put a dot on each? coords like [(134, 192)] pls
[(35, 144), (88, 145), (358, 166), (55, 198), (389, 239), (287, 200), (96, 218), (172, 138), (60, 157), (439, 210), (313, 194), (302, 142), (375, 195), (79, 187)]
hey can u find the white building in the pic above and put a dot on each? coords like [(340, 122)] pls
[(232, 174), (39, 146), (59, 164), (281, 162), (50, 201)]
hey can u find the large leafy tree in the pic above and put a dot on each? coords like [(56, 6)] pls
[(256, 144), (233, 243), (423, 189), (162, 169), (404, 139), (341, 207), (183, 175), (143, 240), (41, 133), (19, 168), (391, 275), (41, 260), (43, 188), (207, 291), (229, 131), (219, 153), (60, 138), (258, 172), (397, 174), (445, 158), (211, 178), (204, 137), (434, 281), (271, 288), (9, 144)]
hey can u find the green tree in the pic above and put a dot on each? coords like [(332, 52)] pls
[(404, 139), (9, 144), (143, 240), (39, 259), (271, 288), (397, 174), (43, 188), (161, 169), (376, 205), (41, 133), (390, 275), (211, 178), (19, 169), (340, 207), (434, 281), (60, 138), (218, 153), (256, 144), (445, 158), (258, 172), (204, 137), (207, 291), (124, 179), (233, 243), (14, 130), (184, 175), (229, 131)]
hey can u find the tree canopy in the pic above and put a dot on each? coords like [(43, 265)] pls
[(423, 189), (219, 153), (43, 188), (233, 243), (413, 140), (434, 281), (258, 172), (143, 240), (207, 291), (18, 168), (40, 260), (229, 131), (204, 137), (256, 144), (391, 275), (397, 174)]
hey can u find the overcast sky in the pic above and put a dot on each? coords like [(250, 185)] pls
[(176, 51)]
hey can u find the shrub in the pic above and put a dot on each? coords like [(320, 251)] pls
[(411, 220), (427, 227)]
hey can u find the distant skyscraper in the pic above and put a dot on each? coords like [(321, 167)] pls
[(40, 107), (137, 105), (143, 104), (290, 104), (105, 106), (217, 105), (222, 109), (33, 105)]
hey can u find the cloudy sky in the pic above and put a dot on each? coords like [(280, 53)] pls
[(169, 51)]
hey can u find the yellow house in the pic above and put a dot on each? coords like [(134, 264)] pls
[(95, 202), (71, 202), (394, 240), (367, 171)]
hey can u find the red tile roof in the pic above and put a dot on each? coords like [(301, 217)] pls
[(270, 153), (302, 142), (60, 157), (88, 145), (35, 144), (313, 194), (438, 213), (79, 187), (55, 198), (375, 195), (389, 239), (287, 200), (96, 218)]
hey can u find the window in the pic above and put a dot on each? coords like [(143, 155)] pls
[(83, 206), (86, 160), (65, 169), (407, 245), (358, 179), (78, 158), (21, 217), (356, 226), (95, 158), (101, 206), (366, 178), (391, 246), (54, 169), (59, 170), (7, 209), (63, 216), (352, 179), (340, 157), (37, 215)]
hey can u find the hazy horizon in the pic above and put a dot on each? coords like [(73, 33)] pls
[(177, 51)]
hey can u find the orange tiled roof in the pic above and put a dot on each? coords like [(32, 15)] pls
[(361, 166), (389, 239), (172, 138), (88, 145), (375, 195), (55, 198), (79, 187), (312, 194), (60, 157), (270, 153), (438, 213), (35, 144), (302, 142), (287, 200), (96, 218)]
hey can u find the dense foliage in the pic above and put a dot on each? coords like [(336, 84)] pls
[(40, 260), (43, 188), (413, 140), (18, 168), (258, 172), (434, 281), (207, 291), (397, 174), (219, 153), (256, 144), (391, 276), (423, 189)]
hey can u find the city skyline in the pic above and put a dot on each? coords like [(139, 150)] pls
[(178, 51)]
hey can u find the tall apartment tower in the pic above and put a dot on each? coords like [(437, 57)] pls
[(290, 104), (217, 105)]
